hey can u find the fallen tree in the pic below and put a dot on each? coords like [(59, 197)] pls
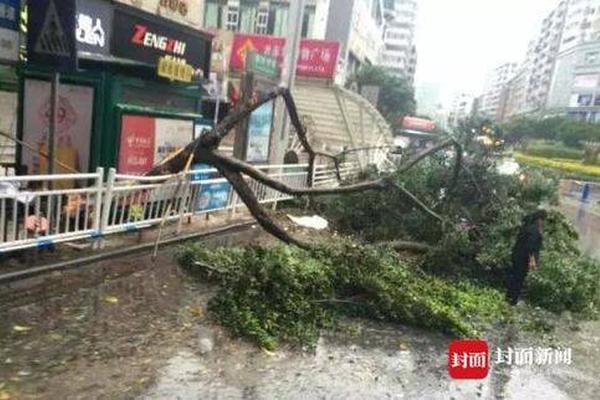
[(204, 150)]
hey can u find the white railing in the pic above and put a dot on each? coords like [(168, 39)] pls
[(39, 211)]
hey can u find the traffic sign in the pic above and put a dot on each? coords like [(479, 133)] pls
[(51, 34)]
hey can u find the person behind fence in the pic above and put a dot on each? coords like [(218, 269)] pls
[(525, 253)]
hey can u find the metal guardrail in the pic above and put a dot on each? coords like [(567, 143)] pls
[(88, 206)]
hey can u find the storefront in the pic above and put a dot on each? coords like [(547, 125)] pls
[(115, 111)]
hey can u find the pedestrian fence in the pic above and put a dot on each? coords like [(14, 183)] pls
[(38, 211)]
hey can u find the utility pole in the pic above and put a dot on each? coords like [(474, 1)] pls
[(292, 47)]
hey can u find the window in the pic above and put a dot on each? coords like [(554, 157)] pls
[(592, 57), (248, 18), (262, 21), (233, 18), (212, 15), (308, 22), (278, 18), (584, 100)]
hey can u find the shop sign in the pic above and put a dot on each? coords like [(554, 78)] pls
[(317, 58), (187, 12), (263, 65), (259, 134), (9, 33), (143, 40), (51, 34), (94, 26), (175, 70)]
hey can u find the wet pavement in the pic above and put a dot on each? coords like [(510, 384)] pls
[(131, 329)]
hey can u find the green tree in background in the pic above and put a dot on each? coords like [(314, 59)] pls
[(570, 132), (396, 95)]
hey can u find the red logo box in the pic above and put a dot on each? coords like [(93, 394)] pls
[(468, 359)]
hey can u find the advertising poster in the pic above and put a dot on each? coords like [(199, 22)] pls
[(74, 130), (259, 134), (147, 140), (171, 135), (212, 196), (136, 152)]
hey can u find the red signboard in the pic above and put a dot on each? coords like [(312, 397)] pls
[(316, 58), (244, 44), (136, 154), (418, 124)]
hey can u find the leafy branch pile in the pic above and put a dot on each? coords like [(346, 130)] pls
[(284, 293), (483, 215)]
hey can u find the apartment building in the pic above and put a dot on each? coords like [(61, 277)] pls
[(513, 100), (542, 56), (399, 53), (495, 86), (460, 109)]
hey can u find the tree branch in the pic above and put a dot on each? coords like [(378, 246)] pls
[(248, 197)]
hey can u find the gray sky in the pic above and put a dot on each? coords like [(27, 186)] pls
[(458, 41)]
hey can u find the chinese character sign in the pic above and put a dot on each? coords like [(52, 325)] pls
[(316, 58), (260, 44), (468, 359), (136, 152)]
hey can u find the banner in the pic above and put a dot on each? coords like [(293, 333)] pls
[(316, 58), (74, 130), (183, 11), (259, 134), (136, 151)]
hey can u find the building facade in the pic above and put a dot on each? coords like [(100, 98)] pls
[(265, 17), (495, 86), (399, 53), (576, 84), (513, 101), (542, 56), (358, 25), (460, 109)]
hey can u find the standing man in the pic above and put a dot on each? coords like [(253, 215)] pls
[(525, 254)]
